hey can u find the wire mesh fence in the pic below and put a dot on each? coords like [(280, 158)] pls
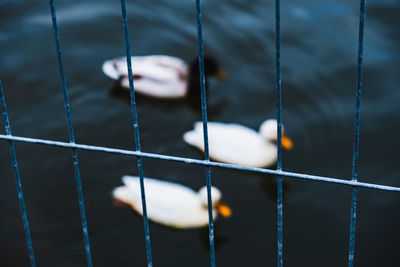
[(139, 154)]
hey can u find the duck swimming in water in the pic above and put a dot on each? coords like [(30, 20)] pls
[(170, 203), (163, 76), (238, 144)]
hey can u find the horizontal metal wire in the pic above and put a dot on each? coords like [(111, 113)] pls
[(199, 162)]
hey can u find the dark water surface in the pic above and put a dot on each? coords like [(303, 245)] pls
[(319, 50)]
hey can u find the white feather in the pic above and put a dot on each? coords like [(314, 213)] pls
[(160, 76), (236, 144), (167, 203)]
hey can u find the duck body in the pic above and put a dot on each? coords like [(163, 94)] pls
[(236, 144), (233, 143), (156, 75), (161, 76), (167, 203)]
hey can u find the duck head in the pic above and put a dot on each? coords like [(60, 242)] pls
[(211, 68), (216, 196), (269, 128)]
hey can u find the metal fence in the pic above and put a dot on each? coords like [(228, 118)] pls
[(279, 172)]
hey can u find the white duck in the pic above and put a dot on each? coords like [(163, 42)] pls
[(162, 76), (169, 203), (240, 145)]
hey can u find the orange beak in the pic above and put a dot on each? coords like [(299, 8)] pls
[(221, 75), (286, 142), (224, 210)]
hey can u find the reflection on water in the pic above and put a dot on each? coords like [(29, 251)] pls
[(219, 240), (213, 107)]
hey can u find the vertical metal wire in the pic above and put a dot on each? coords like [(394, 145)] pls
[(357, 133), (17, 178), (205, 130), (136, 131), (71, 132), (279, 119)]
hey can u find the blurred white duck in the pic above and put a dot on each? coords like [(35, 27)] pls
[(237, 144), (169, 203), (162, 76)]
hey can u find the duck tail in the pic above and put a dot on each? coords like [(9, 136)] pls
[(111, 70), (121, 194)]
